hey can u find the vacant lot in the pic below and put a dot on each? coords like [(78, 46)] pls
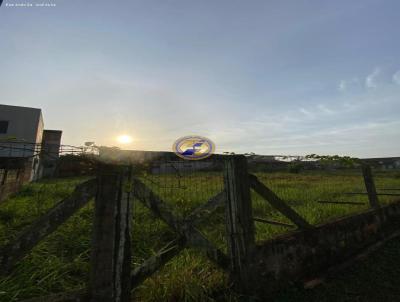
[(61, 262)]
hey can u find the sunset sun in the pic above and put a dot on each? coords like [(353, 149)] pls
[(124, 139)]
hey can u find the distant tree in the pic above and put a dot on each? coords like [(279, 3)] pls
[(295, 166), (344, 161), (90, 148), (249, 154)]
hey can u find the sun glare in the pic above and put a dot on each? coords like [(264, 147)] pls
[(124, 139)]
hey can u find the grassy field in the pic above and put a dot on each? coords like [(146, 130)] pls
[(60, 263)]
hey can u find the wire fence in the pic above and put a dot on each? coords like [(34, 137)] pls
[(31, 202), (325, 183), (300, 182), (319, 191), (15, 149), (183, 185), (186, 184)]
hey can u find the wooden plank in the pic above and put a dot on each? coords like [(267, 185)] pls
[(154, 203), (370, 186), (277, 203), (213, 204), (155, 262), (239, 221), (163, 211), (45, 225), (273, 222), (342, 202), (111, 244)]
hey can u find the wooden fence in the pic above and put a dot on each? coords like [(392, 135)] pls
[(115, 188), (263, 267), (111, 277)]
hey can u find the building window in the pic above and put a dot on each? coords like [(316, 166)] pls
[(3, 127)]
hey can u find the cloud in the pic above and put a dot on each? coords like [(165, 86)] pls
[(345, 85), (358, 125), (325, 109), (371, 79), (316, 111), (342, 85), (306, 112), (396, 77)]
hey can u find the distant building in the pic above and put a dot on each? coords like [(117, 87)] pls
[(158, 162), (386, 163), (50, 152), (21, 138), (21, 130)]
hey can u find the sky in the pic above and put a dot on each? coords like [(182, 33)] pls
[(270, 77)]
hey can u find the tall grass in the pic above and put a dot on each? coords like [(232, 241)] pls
[(61, 261)]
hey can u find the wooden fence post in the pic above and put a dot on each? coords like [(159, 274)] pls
[(111, 245), (370, 186), (239, 221)]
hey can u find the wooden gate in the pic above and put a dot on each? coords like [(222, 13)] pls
[(111, 276)]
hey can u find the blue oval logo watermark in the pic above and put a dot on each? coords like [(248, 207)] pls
[(193, 147)]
